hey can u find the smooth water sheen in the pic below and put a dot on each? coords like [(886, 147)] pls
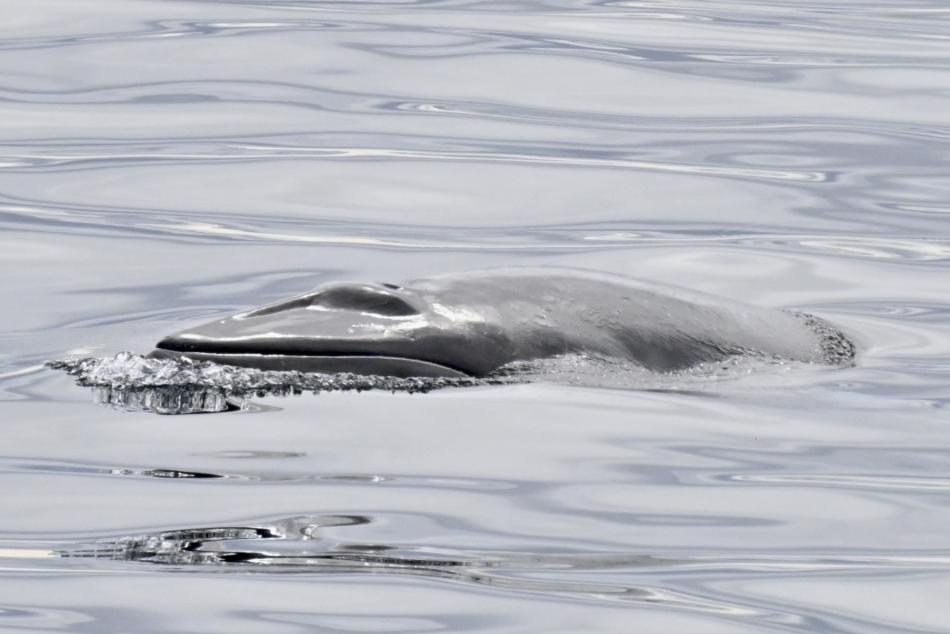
[(163, 163)]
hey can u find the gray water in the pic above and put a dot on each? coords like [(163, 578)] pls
[(166, 162)]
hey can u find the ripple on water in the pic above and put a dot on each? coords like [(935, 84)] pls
[(161, 162)]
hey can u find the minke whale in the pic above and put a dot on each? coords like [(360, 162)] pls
[(473, 324)]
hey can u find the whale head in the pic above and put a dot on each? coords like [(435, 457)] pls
[(362, 328)]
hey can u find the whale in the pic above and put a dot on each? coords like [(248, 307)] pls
[(477, 323)]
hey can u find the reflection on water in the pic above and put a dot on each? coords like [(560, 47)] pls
[(164, 163)]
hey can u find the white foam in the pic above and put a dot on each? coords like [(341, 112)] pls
[(182, 386)]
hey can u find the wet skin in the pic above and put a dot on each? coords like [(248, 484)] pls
[(472, 324)]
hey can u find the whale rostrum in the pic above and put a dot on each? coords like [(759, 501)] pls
[(472, 324)]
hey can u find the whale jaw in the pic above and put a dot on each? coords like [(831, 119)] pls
[(366, 365)]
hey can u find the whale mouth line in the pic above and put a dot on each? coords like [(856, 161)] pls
[(329, 362)]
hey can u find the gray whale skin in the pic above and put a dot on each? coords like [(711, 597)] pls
[(472, 324)]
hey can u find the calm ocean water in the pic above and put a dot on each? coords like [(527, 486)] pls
[(165, 162)]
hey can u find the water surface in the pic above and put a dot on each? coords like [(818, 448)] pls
[(163, 163)]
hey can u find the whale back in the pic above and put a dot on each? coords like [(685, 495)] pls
[(546, 314)]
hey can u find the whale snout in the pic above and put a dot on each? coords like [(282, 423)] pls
[(341, 327)]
